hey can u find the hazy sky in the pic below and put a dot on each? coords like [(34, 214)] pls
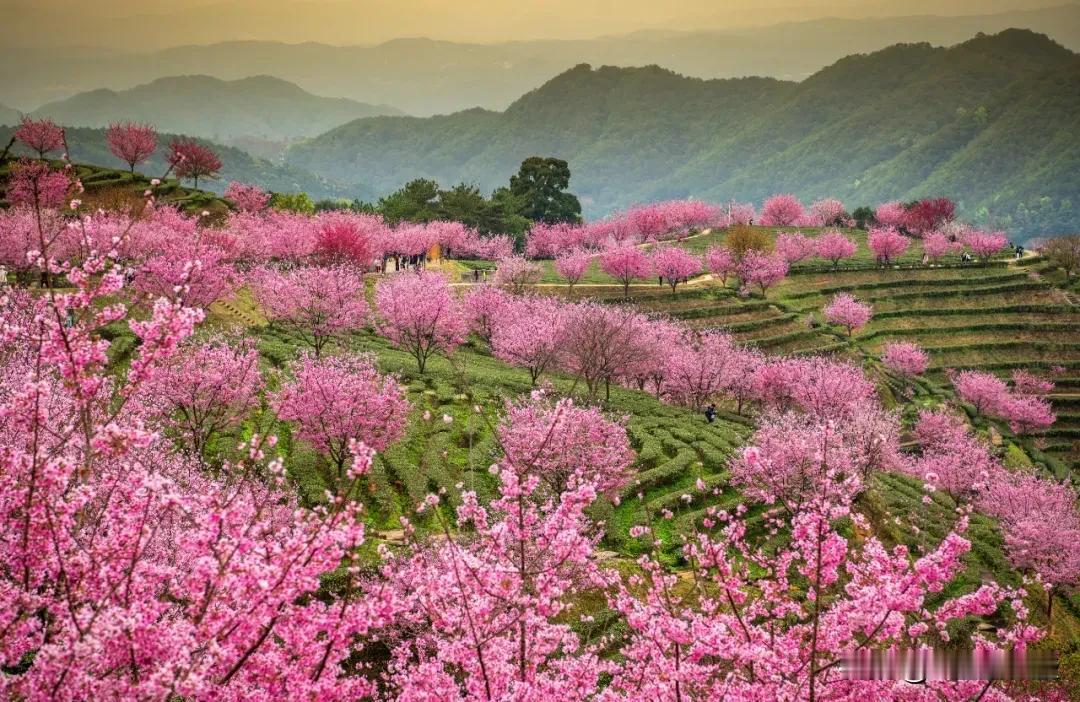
[(143, 24)]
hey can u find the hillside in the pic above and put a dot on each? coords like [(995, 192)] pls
[(987, 122), (260, 106), (8, 115), (88, 146), (426, 76)]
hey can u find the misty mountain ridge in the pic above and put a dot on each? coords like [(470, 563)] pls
[(990, 122), (259, 106), (427, 76)]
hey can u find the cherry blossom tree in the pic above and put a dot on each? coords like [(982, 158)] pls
[(761, 269), (626, 264), (517, 273), (195, 274), (674, 265), (1027, 413), (1027, 383), (479, 616), (905, 358), (600, 344), (985, 244), (828, 212), (887, 244), (132, 573), (565, 445), (572, 265), (484, 306), (247, 198), (697, 371), (418, 313), (844, 309), (318, 305), (40, 135), (720, 261), (781, 211), (131, 142), (34, 184), (350, 239), (890, 215), (793, 246), (206, 389), (191, 160), (338, 401), (985, 391), (529, 332), (936, 244), (928, 214), (832, 245)]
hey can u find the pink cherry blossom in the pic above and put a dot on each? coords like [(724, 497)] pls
[(318, 305), (131, 142), (516, 274), (781, 211), (40, 135), (418, 313), (720, 261), (793, 246), (674, 265), (529, 332), (572, 265), (761, 269), (626, 264), (337, 401), (832, 245), (887, 244), (905, 358), (206, 389), (247, 198)]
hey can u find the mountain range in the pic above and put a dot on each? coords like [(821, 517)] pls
[(260, 107), (990, 122), (425, 76)]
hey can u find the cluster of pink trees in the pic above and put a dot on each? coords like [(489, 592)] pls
[(917, 218), (788, 211), (1022, 407), (659, 221), (1038, 516), (133, 571)]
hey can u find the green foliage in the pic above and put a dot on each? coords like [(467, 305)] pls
[(422, 200), (540, 185), (292, 202)]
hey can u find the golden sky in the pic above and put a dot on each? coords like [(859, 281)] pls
[(140, 24)]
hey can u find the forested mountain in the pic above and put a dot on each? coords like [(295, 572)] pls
[(990, 122), (88, 146), (425, 76), (259, 106)]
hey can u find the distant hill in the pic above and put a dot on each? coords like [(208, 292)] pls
[(260, 107), (990, 122), (8, 115), (88, 146), (425, 77)]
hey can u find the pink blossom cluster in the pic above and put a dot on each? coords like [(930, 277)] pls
[(135, 568), (660, 221), (1038, 516), (1023, 407), (845, 310)]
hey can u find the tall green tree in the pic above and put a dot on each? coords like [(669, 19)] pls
[(541, 183), (416, 201)]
